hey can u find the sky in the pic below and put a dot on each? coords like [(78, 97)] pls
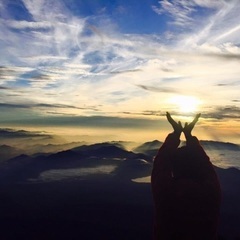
[(110, 69)]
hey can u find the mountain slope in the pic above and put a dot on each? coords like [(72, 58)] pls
[(149, 148), (215, 145)]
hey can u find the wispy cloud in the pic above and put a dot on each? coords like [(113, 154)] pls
[(226, 112), (47, 106), (235, 83), (12, 133), (21, 25), (157, 89), (93, 122), (182, 11), (55, 62), (10, 73)]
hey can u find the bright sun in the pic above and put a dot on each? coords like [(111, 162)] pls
[(185, 104)]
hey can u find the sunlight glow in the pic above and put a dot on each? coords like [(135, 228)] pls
[(185, 104)]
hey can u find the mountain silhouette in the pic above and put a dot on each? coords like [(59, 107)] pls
[(148, 148), (24, 167), (108, 150), (39, 149), (96, 146), (7, 152), (215, 145), (64, 156), (15, 168)]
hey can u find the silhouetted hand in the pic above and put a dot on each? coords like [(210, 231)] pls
[(188, 127), (177, 126)]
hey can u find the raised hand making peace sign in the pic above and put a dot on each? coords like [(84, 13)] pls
[(178, 128)]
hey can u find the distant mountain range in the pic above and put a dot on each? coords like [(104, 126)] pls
[(23, 167), (149, 148), (14, 162), (38, 149), (215, 145), (7, 152), (104, 150)]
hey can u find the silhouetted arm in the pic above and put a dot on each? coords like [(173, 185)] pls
[(193, 144), (161, 181), (188, 204), (162, 166), (203, 162), (208, 179)]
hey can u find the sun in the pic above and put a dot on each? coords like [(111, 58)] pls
[(185, 104)]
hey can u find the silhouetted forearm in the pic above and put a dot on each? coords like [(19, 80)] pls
[(162, 162), (203, 162), (162, 166)]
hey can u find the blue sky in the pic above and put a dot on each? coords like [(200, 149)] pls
[(128, 60)]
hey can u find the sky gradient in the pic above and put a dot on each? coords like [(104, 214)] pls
[(113, 68)]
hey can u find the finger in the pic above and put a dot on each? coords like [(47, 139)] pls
[(169, 118), (196, 118), (186, 124), (180, 126), (167, 115)]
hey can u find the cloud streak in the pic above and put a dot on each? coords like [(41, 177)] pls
[(57, 62), (226, 112), (47, 106), (12, 133), (157, 89), (96, 122)]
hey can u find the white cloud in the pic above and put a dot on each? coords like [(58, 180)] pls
[(218, 26), (231, 48), (183, 12), (215, 4), (26, 24), (179, 10), (42, 10), (72, 62)]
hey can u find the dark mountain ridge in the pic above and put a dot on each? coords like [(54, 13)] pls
[(155, 144), (24, 167), (216, 145), (148, 148), (151, 148), (96, 146), (107, 149), (7, 152)]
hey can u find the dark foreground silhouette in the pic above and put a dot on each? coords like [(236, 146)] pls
[(185, 188), (95, 206)]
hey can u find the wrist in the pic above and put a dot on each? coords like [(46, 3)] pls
[(188, 135), (177, 134)]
